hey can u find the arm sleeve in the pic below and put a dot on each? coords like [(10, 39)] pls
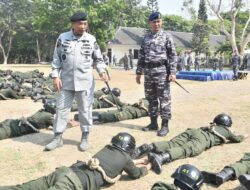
[(171, 54), (235, 138), (133, 171), (56, 63), (98, 59), (141, 61)]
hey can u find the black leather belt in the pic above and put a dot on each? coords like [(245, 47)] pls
[(154, 65)]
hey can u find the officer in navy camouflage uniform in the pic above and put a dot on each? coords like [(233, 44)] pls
[(75, 53), (235, 62), (157, 59), (215, 61), (197, 61)]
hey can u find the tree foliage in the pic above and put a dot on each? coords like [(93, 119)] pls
[(233, 22), (177, 23), (200, 40)]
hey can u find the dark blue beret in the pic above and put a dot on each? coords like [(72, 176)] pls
[(79, 16), (154, 16)]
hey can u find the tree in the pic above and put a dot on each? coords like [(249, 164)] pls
[(188, 5), (230, 30), (51, 17), (177, 23), (200, 40), (152, 5), (13, 16)]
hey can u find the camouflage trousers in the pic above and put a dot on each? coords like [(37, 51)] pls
[(235, 71), (242, 166), (157, 92)]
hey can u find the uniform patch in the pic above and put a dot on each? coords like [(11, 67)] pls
[(63, 57)]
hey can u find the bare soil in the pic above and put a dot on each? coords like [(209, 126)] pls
[(23, 159)]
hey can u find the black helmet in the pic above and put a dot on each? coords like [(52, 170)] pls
[(223, 119), (116, 92), (124, 141), (105, 90), (50, 105), (188, 177)]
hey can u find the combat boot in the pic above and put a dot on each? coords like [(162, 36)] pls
[(157, 160), (152, 126), (219, 178), (55, 143), (141, 150), (84, 145), (245, 180), (164, 128)]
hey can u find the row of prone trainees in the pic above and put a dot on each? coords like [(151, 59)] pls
[(102, 170)]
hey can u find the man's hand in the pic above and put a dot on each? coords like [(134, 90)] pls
[(142, 161), (148, 166), (138, 79), (57, 83), (172, 78), (103, 77)]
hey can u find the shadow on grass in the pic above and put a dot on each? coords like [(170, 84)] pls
[(41, 139), (122, 125)]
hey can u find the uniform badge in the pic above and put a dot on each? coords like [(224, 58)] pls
[(63, 57)]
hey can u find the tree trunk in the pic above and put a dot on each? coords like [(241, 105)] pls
[(38, 50), (5, 59)]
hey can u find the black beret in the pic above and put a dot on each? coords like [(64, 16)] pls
[(154, 16), (79, 16)]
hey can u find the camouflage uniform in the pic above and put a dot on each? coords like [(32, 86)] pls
[(235, 62), (158, 59), (215, 62), (197, 62), (18, 127), (189, 62)]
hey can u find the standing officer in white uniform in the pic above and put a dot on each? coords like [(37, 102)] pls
[(75, 53)]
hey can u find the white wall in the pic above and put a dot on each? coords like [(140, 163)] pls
[(120, 50)]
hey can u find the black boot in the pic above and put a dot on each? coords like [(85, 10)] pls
[(152, 126), (157, 160), (245, 180), (141, 150), (219, 178), (164, 128)]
